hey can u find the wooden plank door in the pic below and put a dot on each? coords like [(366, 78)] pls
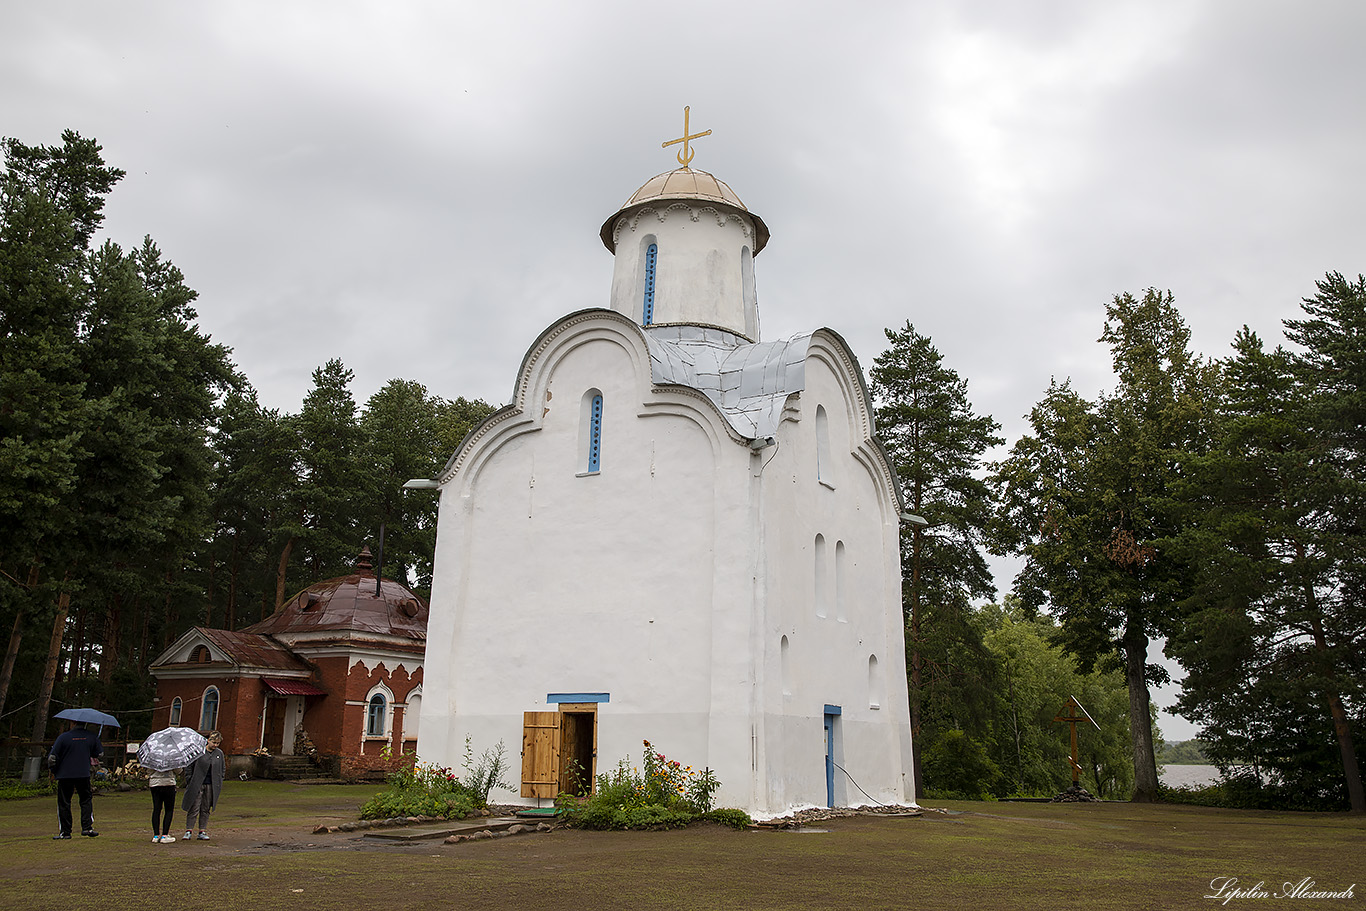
[(274, 738), (541, 754)]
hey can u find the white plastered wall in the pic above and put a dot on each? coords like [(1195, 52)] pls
[(667, 580), (704, 270), (828, 656)]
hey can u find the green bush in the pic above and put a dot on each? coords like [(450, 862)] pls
[(14, 789), (421, 789), (665, 795), (956, 764), (729, 816)]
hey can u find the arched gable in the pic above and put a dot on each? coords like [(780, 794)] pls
[(831, 349), (531, 402)]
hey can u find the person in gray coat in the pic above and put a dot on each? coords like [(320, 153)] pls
[(204, 779)]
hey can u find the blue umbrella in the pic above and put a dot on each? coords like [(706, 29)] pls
[(89, 716)]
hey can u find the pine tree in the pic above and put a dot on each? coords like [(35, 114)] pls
[(927, 424)]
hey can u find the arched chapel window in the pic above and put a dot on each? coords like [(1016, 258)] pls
[(648, 310), (821, 576), (874, 683), (208, 713), (841, 581), (176, 706), (375, 713), (590, 432), (824, 470), (411, 716)]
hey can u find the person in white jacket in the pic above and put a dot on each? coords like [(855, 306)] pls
[(162, 785)]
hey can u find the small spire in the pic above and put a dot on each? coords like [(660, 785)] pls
[(364, 566)]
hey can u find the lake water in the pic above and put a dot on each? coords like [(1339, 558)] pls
[(1189, 776)]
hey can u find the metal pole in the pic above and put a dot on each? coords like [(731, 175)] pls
[(379, 560)]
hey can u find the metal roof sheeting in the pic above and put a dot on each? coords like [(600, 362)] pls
[(748, 382)]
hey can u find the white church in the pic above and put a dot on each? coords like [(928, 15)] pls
[(676, 532)]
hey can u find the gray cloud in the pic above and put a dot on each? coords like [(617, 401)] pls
[(416, 188)]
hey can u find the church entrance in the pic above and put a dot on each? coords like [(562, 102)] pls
[(578, 743), (833, 752), (560, 750)]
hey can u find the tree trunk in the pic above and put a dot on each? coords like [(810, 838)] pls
[(54, 651), (916, 676), (1135, 645), (232, 582), (1342, 725), (113, 624), (280, 572), (11, 655)]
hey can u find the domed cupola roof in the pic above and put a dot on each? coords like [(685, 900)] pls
[(688, 185), (349, 607)]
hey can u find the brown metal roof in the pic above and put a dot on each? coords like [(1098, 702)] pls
[(349, 607), (252, 650), (292, 687)]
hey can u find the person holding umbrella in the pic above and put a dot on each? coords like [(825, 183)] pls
[(205, 783), (165, 753), (73, 755)]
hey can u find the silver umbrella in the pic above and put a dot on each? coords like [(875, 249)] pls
[(172, 748)]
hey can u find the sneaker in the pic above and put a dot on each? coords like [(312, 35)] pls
[(203, 836), (90, 833), (156, 839), (60, 835), (188, 835), (168, 839)]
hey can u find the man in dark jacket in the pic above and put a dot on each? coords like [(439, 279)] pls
[(72, 756)]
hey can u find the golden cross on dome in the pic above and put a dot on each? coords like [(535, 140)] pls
[(685, 156)]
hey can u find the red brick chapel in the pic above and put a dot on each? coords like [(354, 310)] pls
[(337, 668)]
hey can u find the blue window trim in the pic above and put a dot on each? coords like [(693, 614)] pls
[(552, 698), (595, 435), (833, 710), (651, 255)]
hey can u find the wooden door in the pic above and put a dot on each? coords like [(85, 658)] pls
[(274, 737), (541, 754)]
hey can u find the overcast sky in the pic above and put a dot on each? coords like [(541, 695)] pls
[(416, 188)]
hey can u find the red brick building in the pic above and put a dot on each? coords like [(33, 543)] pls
[(341, 663)]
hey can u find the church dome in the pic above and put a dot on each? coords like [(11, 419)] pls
[(684, 184), (350, 607)]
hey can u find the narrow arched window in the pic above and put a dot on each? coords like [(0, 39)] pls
[(841, 581), (821, 576), (590, 432), (874, 683), (648, 310), (785, 665), (411, 716), (176, 706), (208, 713), (824, 470), (375, 714)]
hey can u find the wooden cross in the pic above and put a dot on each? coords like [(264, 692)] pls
[(685, 156), (1072, 708)]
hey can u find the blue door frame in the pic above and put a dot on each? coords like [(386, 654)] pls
[(831, 713)]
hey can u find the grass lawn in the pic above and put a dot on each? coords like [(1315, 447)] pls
[(976, 855)]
